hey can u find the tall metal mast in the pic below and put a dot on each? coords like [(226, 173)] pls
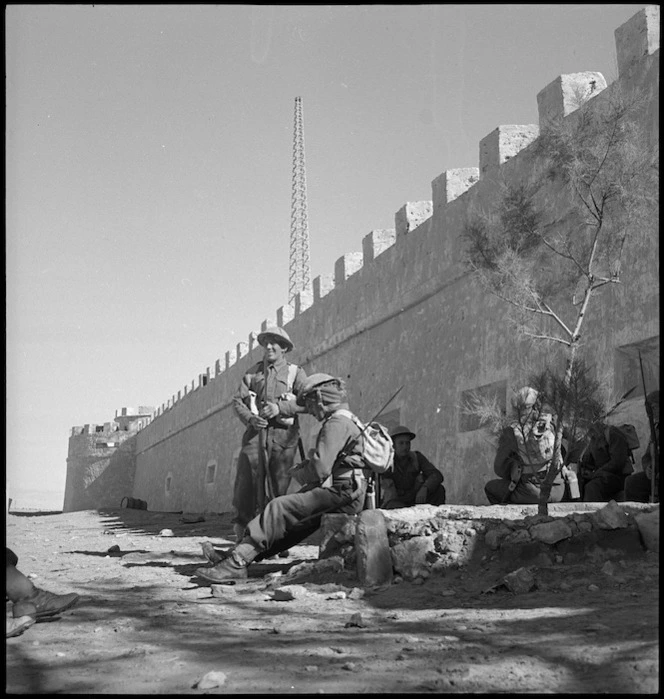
[(299, 274)]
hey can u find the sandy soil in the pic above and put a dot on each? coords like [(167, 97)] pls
[(146, 624)]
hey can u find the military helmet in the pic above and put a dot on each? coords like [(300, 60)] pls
[(401, 429), (279, 333)]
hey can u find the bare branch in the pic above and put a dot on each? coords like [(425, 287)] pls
[(549, 338)]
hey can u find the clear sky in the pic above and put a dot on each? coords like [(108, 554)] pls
[(149, 164)]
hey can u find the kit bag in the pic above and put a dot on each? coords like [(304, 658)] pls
[(377, 445)]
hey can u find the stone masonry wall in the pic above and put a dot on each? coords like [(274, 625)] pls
[(402, 311)]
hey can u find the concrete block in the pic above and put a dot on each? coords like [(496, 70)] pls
[(285, 314), (217, 370), (346, 266), (452, 184), (637, 38), (374, 562), (377, 242), (411, 215), (322, 286), (241, 349), (268, 323), (504, 143), (303, 300), (566, 94), (648, 524)]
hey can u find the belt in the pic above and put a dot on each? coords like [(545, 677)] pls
[(348, 476)]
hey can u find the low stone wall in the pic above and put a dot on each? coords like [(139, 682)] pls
[(415, 542)]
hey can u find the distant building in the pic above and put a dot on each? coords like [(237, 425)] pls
[(101, 462)]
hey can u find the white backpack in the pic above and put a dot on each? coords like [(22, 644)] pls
[(377, 445)]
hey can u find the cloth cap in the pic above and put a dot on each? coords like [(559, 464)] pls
[(279, 334), (330, 389), (401, 429)]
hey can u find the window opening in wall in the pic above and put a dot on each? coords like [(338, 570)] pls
[(210, 473), (491, 391), (628, 370), (168, 484), (99, 428)]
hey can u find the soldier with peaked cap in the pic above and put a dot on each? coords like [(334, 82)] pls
[(333, 479), (413, 480), (265, 403)]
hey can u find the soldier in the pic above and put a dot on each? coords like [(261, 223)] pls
[(29, 603), (413, 480), (525, 450), (265, 403), (602, 467), (333, 479), (638, 485)]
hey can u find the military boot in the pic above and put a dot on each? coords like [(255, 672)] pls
[(43, 604), (230, 569), (16, 626)]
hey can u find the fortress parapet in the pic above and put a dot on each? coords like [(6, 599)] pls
[(381, 311)]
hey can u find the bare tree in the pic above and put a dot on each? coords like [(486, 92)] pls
[(549, 262)]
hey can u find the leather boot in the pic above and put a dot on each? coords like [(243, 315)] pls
[(44, 604), (16, 626), (230, 569)]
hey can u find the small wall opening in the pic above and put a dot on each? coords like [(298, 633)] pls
[(210, 472), (497, 391)]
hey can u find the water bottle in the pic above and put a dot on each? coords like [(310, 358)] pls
[(572, 483), (370, 497)]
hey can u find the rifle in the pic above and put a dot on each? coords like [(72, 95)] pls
[(373, 493), (653, 445)]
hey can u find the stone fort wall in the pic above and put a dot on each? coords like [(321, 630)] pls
[(403, 311)]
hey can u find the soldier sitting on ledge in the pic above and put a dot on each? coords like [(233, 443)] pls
[(414, 480)]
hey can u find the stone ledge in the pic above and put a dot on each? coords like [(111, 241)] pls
[(425, 539)]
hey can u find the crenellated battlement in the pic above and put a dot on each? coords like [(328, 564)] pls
[(403, 311), (636, 39)]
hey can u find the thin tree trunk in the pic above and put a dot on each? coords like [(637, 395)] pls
[(557, 460)]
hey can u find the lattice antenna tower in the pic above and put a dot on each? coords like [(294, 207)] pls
[(299, 274)]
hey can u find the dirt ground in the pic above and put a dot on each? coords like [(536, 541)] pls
[(145, 624)]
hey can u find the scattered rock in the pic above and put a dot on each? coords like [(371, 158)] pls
[(166, 532), (551, 532), (648, 524), (289, 592), (355, 621), (520, 581), (609, 568), (210, 680), (610, 517)]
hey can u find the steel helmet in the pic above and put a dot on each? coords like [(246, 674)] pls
[(279, 333), (401, 429)]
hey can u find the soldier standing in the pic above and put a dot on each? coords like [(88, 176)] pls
[(266, 404)]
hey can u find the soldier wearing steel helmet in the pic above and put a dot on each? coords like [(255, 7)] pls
[(333, 479), (265, 403)]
